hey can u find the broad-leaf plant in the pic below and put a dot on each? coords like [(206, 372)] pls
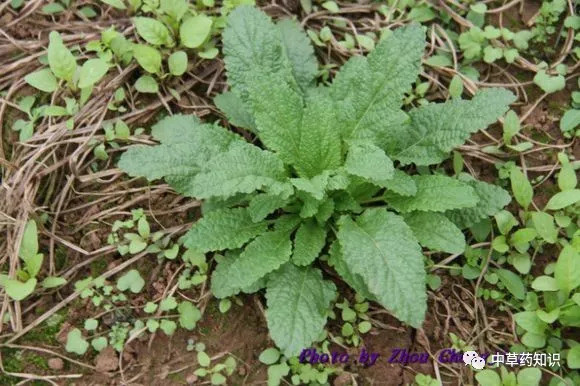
[(329, 178)]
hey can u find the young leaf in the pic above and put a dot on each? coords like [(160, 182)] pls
[(299, 51), (115, 3), (567, 179), (269, 356), (456, 87), (177, 63), (148, 57), (195, 30), (563, 199), (302, 137), (549, 84), (315, 186), (99, 343), (175, 9), (34, 264), (153, 31), (260, 257), (29, 244), (298, 301), (382, 239), (512, 282), (521, 187), (18, 290), (43, 80), (53, 282), (567, 271), (147, 85), (511, 126), (168, 326), (388, 72), (545, 284), (544, 225), (91, 72), (488, 378), (61, 61)]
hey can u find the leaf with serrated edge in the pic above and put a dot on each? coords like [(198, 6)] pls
[(369, 162), (436, 232), (401, 183), (355, 281), (223, 229), (435, 129), (370, 111), (435, 193), (261, 256), (186, 145), (252, 45), (492, 199), (298, 301), (382, 249), (243, 168), (299, 51), (308, 242), (235, 110), (261, 205), (304, 137)]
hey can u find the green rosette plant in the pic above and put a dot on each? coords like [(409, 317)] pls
[(327, 178)]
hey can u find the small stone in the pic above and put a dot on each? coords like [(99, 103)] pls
[(107, 360), (56, 363), (191, 379), (65, 328), (342, 380)]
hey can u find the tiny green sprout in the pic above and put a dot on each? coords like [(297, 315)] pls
[(270, 356), (168, 304), (355, 321), (132, 281), (91, 324), (75, 342), (203, 359), (425, 380), (23, 285), (225, 305), (150, 307), (99, 343), (118, 335), (189, 315)]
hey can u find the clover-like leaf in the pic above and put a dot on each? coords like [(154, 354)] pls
[(132, 281)]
